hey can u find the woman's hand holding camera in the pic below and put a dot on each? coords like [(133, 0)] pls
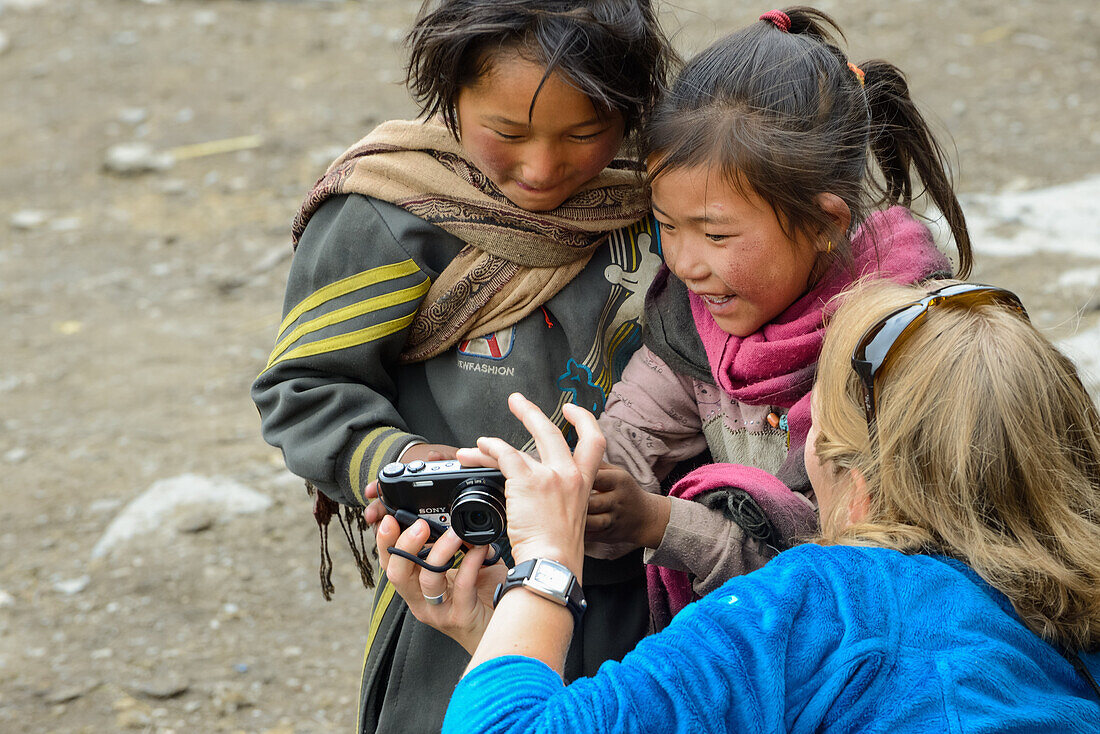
[(546, 502), (546, 498), (459, 602)]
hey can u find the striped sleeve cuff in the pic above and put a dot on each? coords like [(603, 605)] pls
[(367, 453)]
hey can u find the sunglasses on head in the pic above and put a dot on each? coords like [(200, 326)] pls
[(874, 346)]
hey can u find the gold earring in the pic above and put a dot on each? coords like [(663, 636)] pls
[(828, 247)]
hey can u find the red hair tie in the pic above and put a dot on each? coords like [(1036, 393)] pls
[(781, 20)]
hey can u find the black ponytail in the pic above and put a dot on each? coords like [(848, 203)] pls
[(902, 141)]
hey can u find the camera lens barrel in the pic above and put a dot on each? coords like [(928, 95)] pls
[(477, 512)]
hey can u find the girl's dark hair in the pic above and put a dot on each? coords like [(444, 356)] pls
[(785, 114), (611, 50)]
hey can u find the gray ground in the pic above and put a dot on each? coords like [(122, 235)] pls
[(137, 309)]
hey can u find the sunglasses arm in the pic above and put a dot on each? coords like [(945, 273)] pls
[(863, 370)]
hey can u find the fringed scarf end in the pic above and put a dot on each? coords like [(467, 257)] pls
[(350, 518)]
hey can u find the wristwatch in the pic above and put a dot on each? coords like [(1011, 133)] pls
[(550, 580)]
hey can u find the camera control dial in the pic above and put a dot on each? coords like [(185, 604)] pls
[(394, 469)]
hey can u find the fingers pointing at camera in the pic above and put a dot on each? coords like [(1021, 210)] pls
[(547, 498), (546, 502)]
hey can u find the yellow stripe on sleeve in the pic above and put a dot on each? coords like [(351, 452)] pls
[(347, 285), (375, 464), (345, 341), (357, 460), (386, 300)]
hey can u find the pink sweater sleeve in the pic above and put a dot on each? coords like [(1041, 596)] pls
[(651, 420)]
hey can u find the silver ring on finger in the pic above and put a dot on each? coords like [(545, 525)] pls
[(436, 600)]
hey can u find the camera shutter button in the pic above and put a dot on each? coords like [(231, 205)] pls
[(415, 466), (394, 469)]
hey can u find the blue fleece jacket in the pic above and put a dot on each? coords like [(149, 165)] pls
[(822, 639)]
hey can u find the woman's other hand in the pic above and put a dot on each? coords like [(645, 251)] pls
[(546, 498)]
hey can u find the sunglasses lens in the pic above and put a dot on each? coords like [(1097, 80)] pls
[(875, 345), (969, 293)]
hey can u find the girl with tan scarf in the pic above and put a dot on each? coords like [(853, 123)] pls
[(500, 244)]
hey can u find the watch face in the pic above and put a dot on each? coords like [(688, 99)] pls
[(552, 576)]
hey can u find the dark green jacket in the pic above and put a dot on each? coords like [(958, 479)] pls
[(337, 402)]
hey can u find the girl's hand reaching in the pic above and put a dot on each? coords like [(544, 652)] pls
[(623, 515), (465, 593)]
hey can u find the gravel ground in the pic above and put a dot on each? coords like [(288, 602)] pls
[(138, 306)]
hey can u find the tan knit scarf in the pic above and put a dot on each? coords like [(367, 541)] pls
[(515, 260)]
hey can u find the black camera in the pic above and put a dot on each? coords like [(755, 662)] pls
[(467, 498)]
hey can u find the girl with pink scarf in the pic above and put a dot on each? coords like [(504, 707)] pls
[(759, 165)]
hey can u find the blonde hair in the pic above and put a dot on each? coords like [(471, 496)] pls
[(987, 450)]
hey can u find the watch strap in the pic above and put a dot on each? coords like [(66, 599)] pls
[(518, 576)]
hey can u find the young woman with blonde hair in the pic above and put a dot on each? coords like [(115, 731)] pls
[(986, 449), (956, 458)]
